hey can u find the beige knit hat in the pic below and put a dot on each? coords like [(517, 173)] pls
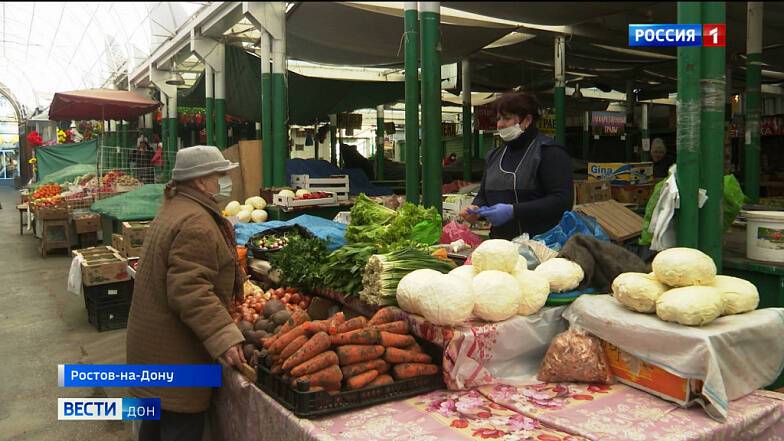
[(200, 160)]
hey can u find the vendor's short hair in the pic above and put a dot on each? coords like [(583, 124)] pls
[(518, 103)]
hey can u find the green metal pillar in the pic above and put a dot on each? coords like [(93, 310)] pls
[(466, 84), (221, 135), (411, 40), (258, 130), (586, 134), (751, 156), (333, 139), (688, 132), (432, 167), (279, 137), (712, 137), (209, 94), (380, 143), (559, 92), (266, 111), (108, 153)]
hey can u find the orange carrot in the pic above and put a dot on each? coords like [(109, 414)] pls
[(351, 354), (398, 327), (285, 339), (315, 364), (276, 369), (267, 342), (297, 318), (365, 336), (384, 369), (384, 315), (336, 320), (316, 345), (293, 347), (396, 340), (315, 326), (411, 370), (356, 369), (415, 348), (381, 380), (325, 377), (396, 356), (353, 324), (361, 380)]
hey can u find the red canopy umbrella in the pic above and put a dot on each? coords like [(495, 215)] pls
[(100, 104)]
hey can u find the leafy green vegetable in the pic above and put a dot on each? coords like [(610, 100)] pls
[(300, 262), (372, 223)]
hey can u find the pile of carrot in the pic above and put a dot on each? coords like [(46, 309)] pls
[(351, 354)]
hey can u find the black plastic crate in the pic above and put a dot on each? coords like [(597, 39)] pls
[(317, 404), (109, 292), (108, 315)]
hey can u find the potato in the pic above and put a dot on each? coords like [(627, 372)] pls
[(277, 329), (245, 326), (273, 306), (280, 317)]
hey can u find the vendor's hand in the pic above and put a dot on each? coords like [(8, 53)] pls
[(497, 214), (234, 356), (468, 214)]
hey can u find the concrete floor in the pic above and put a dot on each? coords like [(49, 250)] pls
[(43, 325)]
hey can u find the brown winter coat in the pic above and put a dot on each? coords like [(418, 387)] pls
[(183, 287)]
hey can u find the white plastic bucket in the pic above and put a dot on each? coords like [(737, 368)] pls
[(765, 235)]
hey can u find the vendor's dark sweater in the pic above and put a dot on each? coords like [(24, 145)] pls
[(539, 210)]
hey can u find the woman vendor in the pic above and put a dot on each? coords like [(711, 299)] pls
[(527, 183)]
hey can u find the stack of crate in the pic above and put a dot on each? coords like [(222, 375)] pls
[(107, 287)]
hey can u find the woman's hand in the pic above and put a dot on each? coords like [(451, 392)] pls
[(468, 215), (234, 356)]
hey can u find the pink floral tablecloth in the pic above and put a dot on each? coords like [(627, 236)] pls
[(541, 412)]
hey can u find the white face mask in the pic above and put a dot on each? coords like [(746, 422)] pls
[(510, 133), (225, 187)]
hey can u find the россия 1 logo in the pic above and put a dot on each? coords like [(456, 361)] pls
[(642, 35)]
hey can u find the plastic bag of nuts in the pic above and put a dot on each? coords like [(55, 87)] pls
[(574, 356)]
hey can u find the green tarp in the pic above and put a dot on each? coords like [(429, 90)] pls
[(54, 158), (68, 174), (310, 99), (136, 205)]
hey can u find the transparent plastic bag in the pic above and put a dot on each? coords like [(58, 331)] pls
[(574, 356)]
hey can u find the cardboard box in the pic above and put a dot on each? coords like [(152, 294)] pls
[(104, 269), (130, 252), (650, 378), (591, 191), (632, 194), (621, 173), (134, 233), (118, 242), (87, 224)]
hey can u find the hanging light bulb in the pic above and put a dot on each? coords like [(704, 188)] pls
[(577, 94), (175, 79)]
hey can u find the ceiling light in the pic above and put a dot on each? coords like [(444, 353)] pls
[(577, 94), (175, 79)]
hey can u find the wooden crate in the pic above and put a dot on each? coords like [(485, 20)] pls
[(591, 191), (337, 184), (52, 213), (617, 221), (87, 224), (632, 194), (288, 202)]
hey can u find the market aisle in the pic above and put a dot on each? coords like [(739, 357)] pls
[(41, 326)]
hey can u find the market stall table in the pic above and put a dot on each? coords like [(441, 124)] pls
[(566, 412)]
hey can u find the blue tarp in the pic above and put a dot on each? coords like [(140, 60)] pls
[(358, 180), (332, 232)]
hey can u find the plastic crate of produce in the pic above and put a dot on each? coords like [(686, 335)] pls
[(317, 404), (108, 315)]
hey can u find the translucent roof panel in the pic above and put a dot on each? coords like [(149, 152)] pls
[(48, 47)]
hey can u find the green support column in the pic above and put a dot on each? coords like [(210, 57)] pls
[(380, 143), (559, 92), (466, 84), (209, 98), (108, 153), (751, 156), (476, 153), (431, 105), (712, 137), (586, 134), (688, 133), (221, 135), (411, 41), (278, 115), (266, 111)]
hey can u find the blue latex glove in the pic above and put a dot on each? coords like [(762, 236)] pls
[(497, 214)]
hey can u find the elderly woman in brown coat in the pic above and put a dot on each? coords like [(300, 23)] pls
[(185, 282)]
